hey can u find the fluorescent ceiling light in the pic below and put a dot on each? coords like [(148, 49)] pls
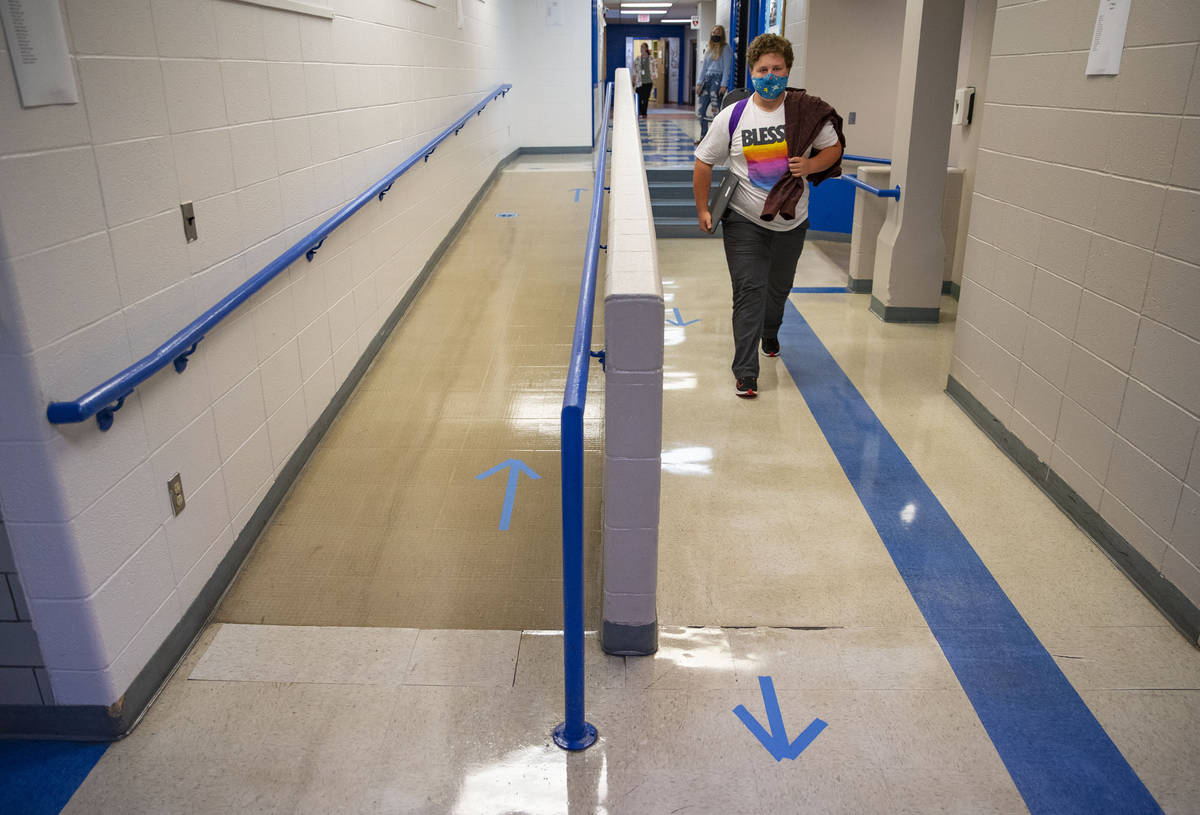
[(646, 5), (645, 11)]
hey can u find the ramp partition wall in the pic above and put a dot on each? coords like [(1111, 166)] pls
[(633, 394), (106, 399), (575, 733)]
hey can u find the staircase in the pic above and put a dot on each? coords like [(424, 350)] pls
[(673, 204)]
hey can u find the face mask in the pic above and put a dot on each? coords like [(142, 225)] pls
[(716, 38), (769, 86)]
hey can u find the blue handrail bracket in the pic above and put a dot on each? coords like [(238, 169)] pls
[(576, 733), (106, 398)]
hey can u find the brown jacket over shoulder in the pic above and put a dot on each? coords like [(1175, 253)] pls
[(804, 115)]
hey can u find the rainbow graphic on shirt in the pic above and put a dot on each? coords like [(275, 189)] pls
[(766, 163)]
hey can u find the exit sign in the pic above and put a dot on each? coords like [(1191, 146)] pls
[(643, 18)]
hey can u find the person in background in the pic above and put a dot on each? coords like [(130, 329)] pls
[(780, 137), (713, 76), (643, 79)]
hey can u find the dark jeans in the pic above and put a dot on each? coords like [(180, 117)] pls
[(643, 92), (762, 266)]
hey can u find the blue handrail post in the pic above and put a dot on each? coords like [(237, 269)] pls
[(576, 733)]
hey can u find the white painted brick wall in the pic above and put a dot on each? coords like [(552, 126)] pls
[(268, 121), (1084, 221)]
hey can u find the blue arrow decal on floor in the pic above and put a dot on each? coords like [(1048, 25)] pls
[(577, 190), (515, 468), (1059, 757), (776, 741), (679, 320)]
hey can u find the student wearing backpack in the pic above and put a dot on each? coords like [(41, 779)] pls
[(773, 141)]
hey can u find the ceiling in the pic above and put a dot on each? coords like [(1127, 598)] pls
[(677, 11)]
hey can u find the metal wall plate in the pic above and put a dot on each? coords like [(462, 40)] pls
[(175, 489), (189, 220)]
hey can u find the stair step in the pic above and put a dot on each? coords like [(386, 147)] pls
[(671, 190), (674, 208), (679, 174), (680, 228), (671, 174)]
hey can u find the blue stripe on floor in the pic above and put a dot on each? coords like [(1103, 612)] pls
[(818, 289), (39, 777), (1059, 756)]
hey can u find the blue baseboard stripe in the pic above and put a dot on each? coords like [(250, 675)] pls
[(39, 777), (818, 290), (1059, 756)]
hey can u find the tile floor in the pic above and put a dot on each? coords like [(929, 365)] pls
[(427, 700)]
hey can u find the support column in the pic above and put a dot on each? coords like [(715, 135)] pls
[(910, 250)]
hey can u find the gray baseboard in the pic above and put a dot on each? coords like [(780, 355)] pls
[(836, 237), (904, 314), (1165, 595), (536, 151), (99, 723), (863, 285), (629, 640)]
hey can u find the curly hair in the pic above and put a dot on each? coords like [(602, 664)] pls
[(769, 44)]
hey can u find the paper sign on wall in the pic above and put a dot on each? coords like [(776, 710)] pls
[(1109, 38), (37, 45), (554, 12)]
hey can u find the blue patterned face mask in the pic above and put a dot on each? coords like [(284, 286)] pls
[(769, 86)]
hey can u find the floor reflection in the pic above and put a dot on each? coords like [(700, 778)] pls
[(537, 780)]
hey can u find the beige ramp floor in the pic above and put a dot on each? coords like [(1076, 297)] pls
[(387, 524)]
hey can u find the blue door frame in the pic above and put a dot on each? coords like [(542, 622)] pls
[(755, 25)]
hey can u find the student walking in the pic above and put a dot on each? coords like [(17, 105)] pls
[(773, 141), (714, 74), (643, 79)]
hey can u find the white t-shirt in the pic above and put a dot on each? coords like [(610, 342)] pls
[(758, 156)]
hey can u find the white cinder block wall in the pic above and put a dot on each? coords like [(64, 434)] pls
[(851, 60), (795, 30), (1079, 324), (268, 120), (555, 64)]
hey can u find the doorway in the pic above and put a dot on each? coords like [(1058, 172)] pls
[(665, 53)]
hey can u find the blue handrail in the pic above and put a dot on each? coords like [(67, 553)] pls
[(105, 399), (865, 159), (576, 733), (894, 192)]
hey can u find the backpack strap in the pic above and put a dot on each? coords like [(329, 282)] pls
[(736, 116)]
